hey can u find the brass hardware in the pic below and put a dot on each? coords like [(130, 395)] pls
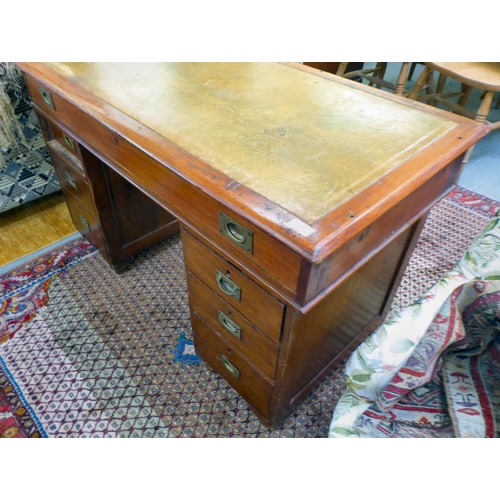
[(229, 325), (69, 141), (47, 98), (71, 181), (229, 366), (236, 233), (228, 286), (85, 222)]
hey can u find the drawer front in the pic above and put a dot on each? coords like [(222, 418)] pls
[(238, 372), (86, 224), (229, 283), (66, 140), (252, 245), (55, 134), (70, 177), (233, 327)]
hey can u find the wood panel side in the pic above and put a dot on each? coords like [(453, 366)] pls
[(141, 221), (326, 334)]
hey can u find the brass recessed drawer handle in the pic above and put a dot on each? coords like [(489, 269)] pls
[(47, 97), (69, 141), (229, 366), (228, 286), (235, 232), (71, 181), (229, 325), (85, 222)]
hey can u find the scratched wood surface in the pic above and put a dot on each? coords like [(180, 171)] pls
[(280, 132)]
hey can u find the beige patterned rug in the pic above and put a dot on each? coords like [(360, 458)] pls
[(85, 352)]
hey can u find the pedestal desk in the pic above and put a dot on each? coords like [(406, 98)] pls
[(299, 196)]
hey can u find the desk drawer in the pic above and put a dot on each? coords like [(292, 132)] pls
[(229, 283), (66, 140), (70, 176), (86, 223), (233, 327), (245, 379), (54, 133)]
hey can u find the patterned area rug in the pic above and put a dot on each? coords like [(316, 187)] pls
[(433, 369), (85, 352), (449, 386)]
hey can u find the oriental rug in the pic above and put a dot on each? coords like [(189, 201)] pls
[(433, 369), (450, 384), (85, 352)]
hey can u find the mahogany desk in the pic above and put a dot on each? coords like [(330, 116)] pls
[(300, 197)]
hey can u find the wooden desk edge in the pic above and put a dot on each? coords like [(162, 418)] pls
[(329, 232)]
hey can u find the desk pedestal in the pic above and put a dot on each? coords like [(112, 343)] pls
[(269, 349), (116, 217)]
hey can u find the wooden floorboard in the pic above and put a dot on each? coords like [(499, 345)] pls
[(34, 226)]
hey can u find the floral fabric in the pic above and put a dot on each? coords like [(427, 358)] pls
[(433, 369)]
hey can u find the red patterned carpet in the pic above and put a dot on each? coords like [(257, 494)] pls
[(85, 352)]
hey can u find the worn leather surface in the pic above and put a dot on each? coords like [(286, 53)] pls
[(302, 141)]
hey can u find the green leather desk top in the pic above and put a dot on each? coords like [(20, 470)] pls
[(305, 143)]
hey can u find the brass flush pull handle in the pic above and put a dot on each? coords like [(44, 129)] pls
[(69, 141), (227, 286), (71, 181), (85, 222), (235, 232), (229, 325), (229, 366), (47, 98)]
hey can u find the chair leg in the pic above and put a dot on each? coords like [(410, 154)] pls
[(465, 161), (341, 69), (430, 85), (441, 83), (402, 78), (419, 84), (484, 109), (430, 90), (464, 98), (481, 116)]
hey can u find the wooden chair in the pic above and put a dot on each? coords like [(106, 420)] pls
[(471, 75), (480, 75), (375, 76)]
